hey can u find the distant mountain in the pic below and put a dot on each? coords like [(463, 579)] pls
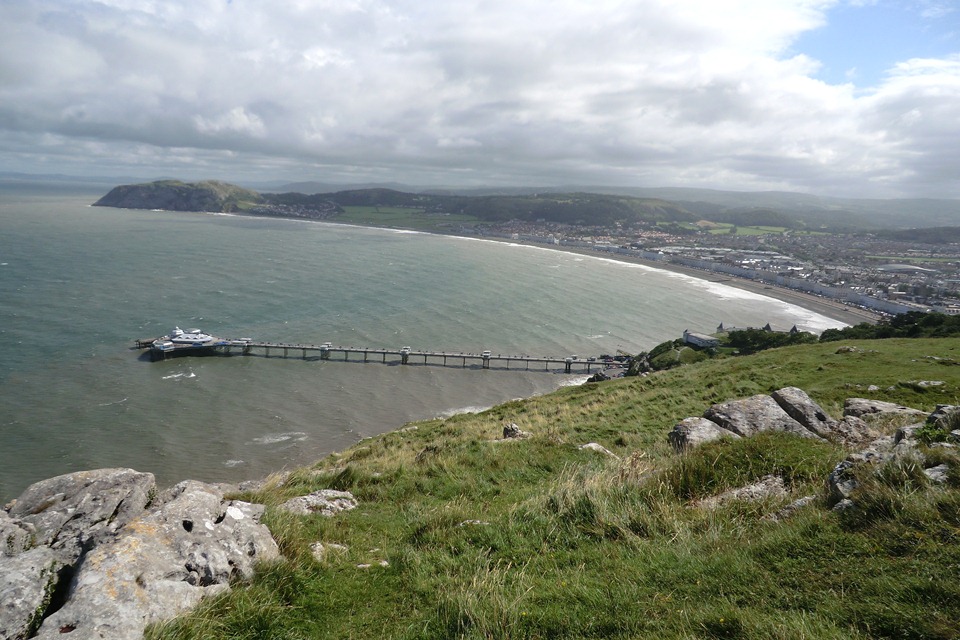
[(174, 195), (812, 210), (582, 205), (790, 209)]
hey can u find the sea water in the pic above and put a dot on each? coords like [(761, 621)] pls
[(79, 284)]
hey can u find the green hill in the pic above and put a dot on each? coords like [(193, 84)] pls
[(460, 534), (174, 195)]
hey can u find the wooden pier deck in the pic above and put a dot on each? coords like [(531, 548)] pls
[(403, 355)]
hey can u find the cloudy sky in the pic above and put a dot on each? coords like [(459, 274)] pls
[(840, 97)]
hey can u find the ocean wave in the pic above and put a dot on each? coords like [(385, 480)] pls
[(575, 382), (277, 438), (455, 412), (233, 463), (174, 376)]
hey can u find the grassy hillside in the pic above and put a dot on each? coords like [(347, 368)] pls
[(535, 538), (174, 195)]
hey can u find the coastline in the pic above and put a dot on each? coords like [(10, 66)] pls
[(832, 309), (824, 306)]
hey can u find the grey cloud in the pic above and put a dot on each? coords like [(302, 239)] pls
[(531, 92)]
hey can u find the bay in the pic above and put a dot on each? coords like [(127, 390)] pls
[(79, 284)]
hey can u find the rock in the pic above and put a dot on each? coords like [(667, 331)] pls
[(513, 431), (69, 511), (27, 583), (930, 383), (791, 508), (478, 523), (326, 502), (161, 564), (844, 505), (907, 433), (599, 376), (880, 450), (16, 536), (943, 414), (755, 414), (692, 432), (848, 349), (799, 406), (852, 431), (841, 481), (769, 486), (321, 550), (599, 448), (860, 407), (938, 474)]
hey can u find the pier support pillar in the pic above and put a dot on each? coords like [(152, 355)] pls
[(405, 355), (567, 365), (324, 352), (486, 362)]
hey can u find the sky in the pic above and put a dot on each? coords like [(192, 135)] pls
[(855, 98)]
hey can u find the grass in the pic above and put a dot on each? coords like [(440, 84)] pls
[(403, 217), (539, 539)]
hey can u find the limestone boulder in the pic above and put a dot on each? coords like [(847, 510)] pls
[(326, 502), (938, 474), (68, 512), (860, 407), (27, 583), (801, 407), (190, 544), (513, 431), (753, 415), (692, 432), (770, 486)]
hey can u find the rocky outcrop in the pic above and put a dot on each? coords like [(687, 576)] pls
[(860, 407), (72, 512), (692, 432), (27, 583), (511, 431), (101, 555), (326, 502), (752, 415), (799, 406), (770, 486), (797, 413), (789, 410)]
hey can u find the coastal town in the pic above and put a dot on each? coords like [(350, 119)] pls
[(858, 269)]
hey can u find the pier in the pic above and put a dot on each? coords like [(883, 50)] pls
[(403, 355)]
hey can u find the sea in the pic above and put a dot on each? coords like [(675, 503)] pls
[(80, 284)]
